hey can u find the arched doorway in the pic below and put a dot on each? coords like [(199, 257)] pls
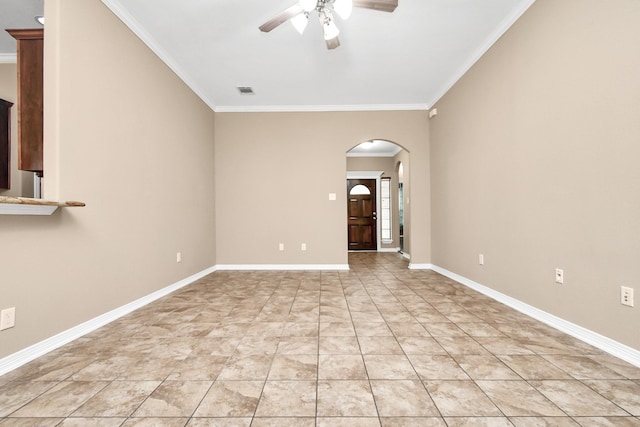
[(375, 164)]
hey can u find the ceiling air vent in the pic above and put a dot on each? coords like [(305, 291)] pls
[(246, 90)]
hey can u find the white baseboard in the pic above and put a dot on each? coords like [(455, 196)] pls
[(30, 353), (612, 347), (281, 267), (405, 255), (389, 249), (420, 266)]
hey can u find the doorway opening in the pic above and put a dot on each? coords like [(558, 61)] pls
[(400, 171), (379, 221)]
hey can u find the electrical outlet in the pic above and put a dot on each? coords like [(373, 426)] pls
[(7, 318), (626, 296), (303, 247), (481, 259), (281, 246), (559, 275), (179, 257)]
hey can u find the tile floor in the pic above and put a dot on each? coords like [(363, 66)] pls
[(379, 345)]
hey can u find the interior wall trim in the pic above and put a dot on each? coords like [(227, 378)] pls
[(615, 348), (8, 58), (41, 348), (281, 267), (389, 249)]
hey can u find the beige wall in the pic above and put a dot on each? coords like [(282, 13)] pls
[(535, 164), (274, 172), (126, 136), (21, 182)]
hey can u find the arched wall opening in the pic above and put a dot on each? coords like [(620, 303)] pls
[(378, 160)]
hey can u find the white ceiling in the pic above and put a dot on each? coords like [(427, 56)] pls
[(402, 60)]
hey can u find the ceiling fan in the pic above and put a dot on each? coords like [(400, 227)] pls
[(299, 13)]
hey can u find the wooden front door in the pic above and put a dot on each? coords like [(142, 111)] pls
[(361, 214)]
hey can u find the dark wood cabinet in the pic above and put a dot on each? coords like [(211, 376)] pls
[(30, 96), (5, 144)]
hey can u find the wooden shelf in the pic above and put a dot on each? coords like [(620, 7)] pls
[(25, 206)]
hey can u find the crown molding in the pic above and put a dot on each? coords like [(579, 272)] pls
[(508, 21), (318, 108), (116, 7), (8, 58)]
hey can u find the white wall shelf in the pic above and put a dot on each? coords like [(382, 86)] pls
[(25, 206)]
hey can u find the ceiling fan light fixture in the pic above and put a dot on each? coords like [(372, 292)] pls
[(300, 21), (329, 27), (308, 5), (343, 8)]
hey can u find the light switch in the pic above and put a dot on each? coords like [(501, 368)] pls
[(332, 196)]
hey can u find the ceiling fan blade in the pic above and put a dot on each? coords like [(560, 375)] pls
[(333, 43), (281, 18), (382, 5)]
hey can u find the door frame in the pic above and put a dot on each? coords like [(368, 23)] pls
[(371, 175)]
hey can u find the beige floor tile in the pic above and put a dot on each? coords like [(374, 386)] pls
[(420, 345), (461, 345), (437, 367), (461, 399), (174, 399), (478, 422), (372, 329), (412, 422), (543, 422), (337, 329), (414, 400), (534, 367), (298, 345), (379, 345), (348, 422), (118, 399), (481, 367), (230, 399), (341, 367), (220, 422), (338, 345), (444, 329), (582, 367), (284, 422), (155, 422), (198, 368), (576, 399), (389, 367), (294, 367), (15, 395), (479, 329), (61, 400), (518, 398), (628, 370), (608, 421), (305, 348), (246, 367), (300, 329), (31, 422), (342, 398), (92, 422), (288, 399), (623, 393)]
